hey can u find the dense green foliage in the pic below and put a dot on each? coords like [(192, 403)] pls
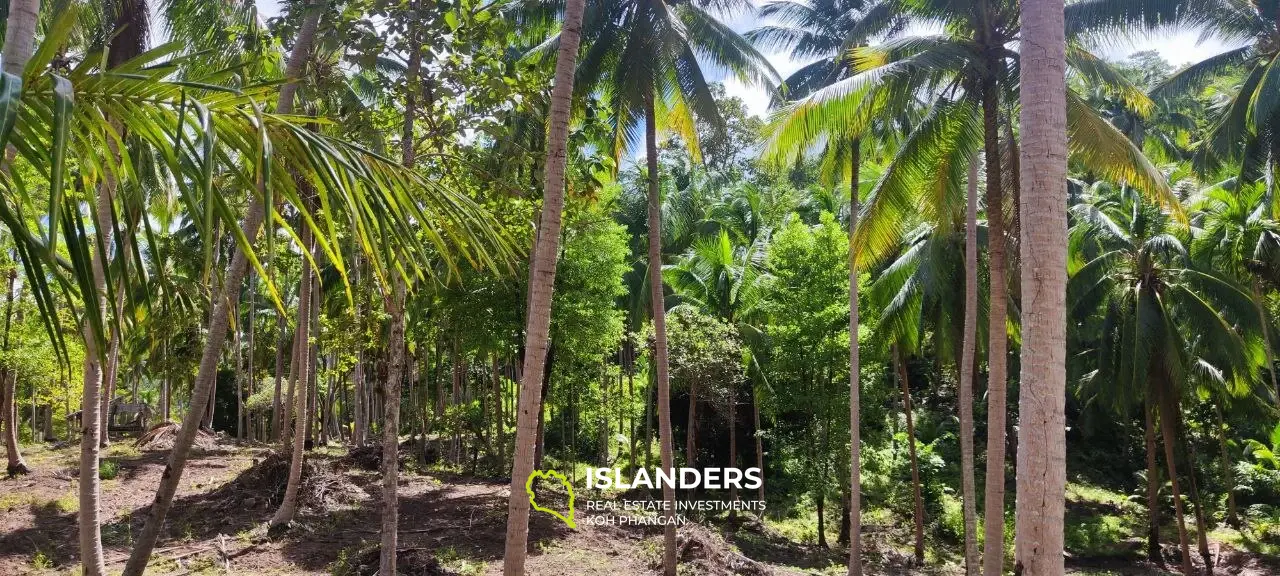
[(1174, 256)]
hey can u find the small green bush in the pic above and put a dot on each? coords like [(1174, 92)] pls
[(108, 470)]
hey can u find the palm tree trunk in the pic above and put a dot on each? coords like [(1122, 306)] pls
[(251, 383), (20, 40), (660, 332), (916, 496), (313, 347), (289, 506), (295, 363), (997, 339), (755, 418), (276, 423), (1041, 457), (1202, 525), (1228, 473), (498, 432), (1153, 485), (8, 400), (968, 352), (1168, 423), (733, 453), (542, 279), (110, 375), (691, 429), (207, 372), (1266, 335), (855, 408)]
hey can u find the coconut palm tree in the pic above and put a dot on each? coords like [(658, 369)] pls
[(1239, 237), (827, 29), (971, 57), (914, 291), (1041, 460), (723, 279), (542, 279), (1246, 129), (645, 58), (1162, 319)]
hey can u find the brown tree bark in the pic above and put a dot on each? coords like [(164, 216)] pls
[(1041, 451), (997, 335), (967, 365), (656, 299), (8, 398), (391, 426), (691, 430), (1153, 484), (542, 277), (1168, 431), (276, 423), (916, 496), (207, 372), (1228, 472), (289, 506), (855, 409)]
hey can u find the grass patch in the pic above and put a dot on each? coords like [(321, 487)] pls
[(108, 470), (1097, 535), (1078, 492), (67, 503), (41, 561), (122, 450)]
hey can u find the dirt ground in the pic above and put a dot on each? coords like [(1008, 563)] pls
[(449, 525)]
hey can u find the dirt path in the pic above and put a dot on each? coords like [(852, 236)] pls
[(449, 525)]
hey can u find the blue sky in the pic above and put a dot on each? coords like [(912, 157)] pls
[(1178, 48)]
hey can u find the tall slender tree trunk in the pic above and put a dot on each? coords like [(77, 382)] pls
[(997, 338), (1202, 525), (295, 364), (1228, 472), (249, 368), (1153, 484), (91, 555), (1266, 335), (110, 375), (855, 409), (542, 279), (759, 440), (207, 372), (9, 398), (733, 453), (499, 433), (395, 342), (391, 427), (691, 430), (1168, 432), (1041, 457), (289, 506), (312, 345), (916, 496), (967, 357), (276, 408), (659, 311), (20, 40), (239, 375)]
